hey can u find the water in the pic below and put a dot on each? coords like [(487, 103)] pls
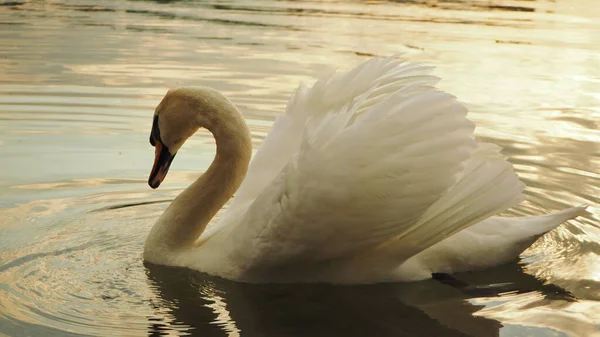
[(80, 80)]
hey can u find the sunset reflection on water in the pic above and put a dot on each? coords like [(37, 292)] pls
[(78, 88)]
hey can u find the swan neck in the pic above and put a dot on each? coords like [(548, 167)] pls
[(188, 215)]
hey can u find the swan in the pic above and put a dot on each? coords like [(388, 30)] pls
[(369, 176)]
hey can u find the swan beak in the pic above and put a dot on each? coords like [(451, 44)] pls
[(162, 162)]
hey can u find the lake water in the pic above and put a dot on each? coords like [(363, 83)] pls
[(78, 86)]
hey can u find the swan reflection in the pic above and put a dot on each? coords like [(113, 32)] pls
[(202, 305)]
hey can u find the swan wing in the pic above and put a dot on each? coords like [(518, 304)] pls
[(366, 174), (379, 77), (391, 172)]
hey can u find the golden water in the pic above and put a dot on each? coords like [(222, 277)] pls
[(78, 85)]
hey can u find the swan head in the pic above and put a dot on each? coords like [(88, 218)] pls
[(176, 118)]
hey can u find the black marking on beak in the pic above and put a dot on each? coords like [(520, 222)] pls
[(155, 133)]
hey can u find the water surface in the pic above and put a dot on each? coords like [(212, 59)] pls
[(80, 80)]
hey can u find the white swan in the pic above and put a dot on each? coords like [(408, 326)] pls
[(369, 176)]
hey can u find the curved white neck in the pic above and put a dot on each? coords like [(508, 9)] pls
[(187, 216)]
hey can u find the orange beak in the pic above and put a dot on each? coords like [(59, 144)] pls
[(162, 162)]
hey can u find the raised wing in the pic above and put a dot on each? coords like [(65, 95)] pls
[(389, 173), (379, 77)]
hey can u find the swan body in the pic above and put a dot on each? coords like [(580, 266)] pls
[(369, 176)]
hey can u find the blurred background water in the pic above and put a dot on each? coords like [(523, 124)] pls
[(78, 86)]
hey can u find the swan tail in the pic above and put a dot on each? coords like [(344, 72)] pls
[(487, 186), (493, 241), (537, 226)]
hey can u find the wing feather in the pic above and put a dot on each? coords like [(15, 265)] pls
[(364, 180), (372, 164), (308, 106)]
